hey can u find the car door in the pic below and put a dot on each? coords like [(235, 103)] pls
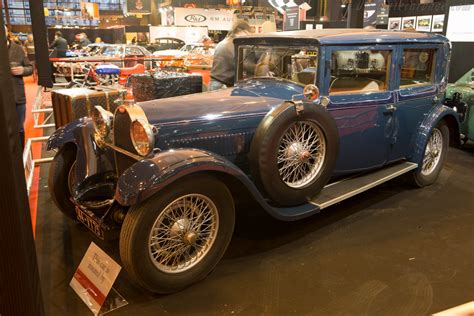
[(358, 85), (417, 92)]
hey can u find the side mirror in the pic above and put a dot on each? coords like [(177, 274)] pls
[(311, 92)]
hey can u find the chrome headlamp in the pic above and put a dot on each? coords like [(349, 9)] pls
[(143, 138), (102, 120)]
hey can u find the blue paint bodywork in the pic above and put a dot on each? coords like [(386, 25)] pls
[(212, 131)]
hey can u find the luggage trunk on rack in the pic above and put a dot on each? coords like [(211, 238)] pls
[(74, 103)]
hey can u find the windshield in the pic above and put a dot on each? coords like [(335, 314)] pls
[(298, 64)]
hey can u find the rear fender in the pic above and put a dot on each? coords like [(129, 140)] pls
[(437, 115), (148, 177)]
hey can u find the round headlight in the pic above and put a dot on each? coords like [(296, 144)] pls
[(102, 120), (142, 137), (311, 92)]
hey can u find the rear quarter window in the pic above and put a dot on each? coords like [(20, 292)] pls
[(418, 67), (359, 71)]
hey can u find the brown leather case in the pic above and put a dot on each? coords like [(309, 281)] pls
[(74, 103)]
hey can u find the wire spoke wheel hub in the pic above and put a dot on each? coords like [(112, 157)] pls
[(183, 233), (433, 152), (301, 154)]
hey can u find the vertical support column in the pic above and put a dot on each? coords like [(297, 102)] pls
[(40, 36), (355, 15), (7, 12), (20, 292)]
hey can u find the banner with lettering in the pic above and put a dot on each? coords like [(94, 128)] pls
[(214, 19)]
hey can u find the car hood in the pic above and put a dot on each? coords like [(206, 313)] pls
[(251, 97)]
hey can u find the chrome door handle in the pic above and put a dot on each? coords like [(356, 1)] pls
[(390, 109)]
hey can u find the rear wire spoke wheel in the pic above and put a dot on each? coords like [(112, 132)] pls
[(433, 152), (301, 154), (434, 156), (176, 237)]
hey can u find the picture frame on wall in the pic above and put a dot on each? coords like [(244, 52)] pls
[(394, 24), (423, 23), (408, 23), (437, 25)]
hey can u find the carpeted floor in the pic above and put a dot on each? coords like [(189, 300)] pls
[(393, 250)]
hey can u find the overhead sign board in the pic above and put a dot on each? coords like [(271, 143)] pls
[(214, 19)]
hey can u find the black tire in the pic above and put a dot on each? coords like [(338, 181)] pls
[(140, 219), (265, 146), (417, 178), (58, 180)]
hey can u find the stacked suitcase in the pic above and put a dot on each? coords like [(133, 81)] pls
[(164, 85), (74, 103)]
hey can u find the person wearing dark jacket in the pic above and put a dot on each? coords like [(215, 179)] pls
[(59, 45), (20, 66), (223, 66)]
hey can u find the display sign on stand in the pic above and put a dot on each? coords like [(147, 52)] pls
[(94, 279), (461, 23), (423, 23), (408, 23), (292, 19), (437, 25), (394, 24)]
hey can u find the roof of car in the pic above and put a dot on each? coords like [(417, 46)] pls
[(350, 36)]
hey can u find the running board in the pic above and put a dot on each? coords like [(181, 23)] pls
[(339, 191)]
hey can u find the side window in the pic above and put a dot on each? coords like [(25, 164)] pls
[(356, 71), (418, 67)]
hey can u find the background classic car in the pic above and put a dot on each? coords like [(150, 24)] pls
[(460, 95), (168, 173)]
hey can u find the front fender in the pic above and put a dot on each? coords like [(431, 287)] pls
[(147, 177), (431, 121), (91, 160), (68, 133)]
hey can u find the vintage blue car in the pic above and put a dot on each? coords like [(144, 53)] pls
[(314, 118)]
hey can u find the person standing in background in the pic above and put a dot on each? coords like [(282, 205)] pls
[(223, 68), (59, 45), (29, 45), (84, 40), (20, 66)]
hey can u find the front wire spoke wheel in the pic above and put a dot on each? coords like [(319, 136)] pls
[(183, 233), (301, 154), (433, 152)]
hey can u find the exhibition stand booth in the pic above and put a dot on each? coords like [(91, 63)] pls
[(275, 159)]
